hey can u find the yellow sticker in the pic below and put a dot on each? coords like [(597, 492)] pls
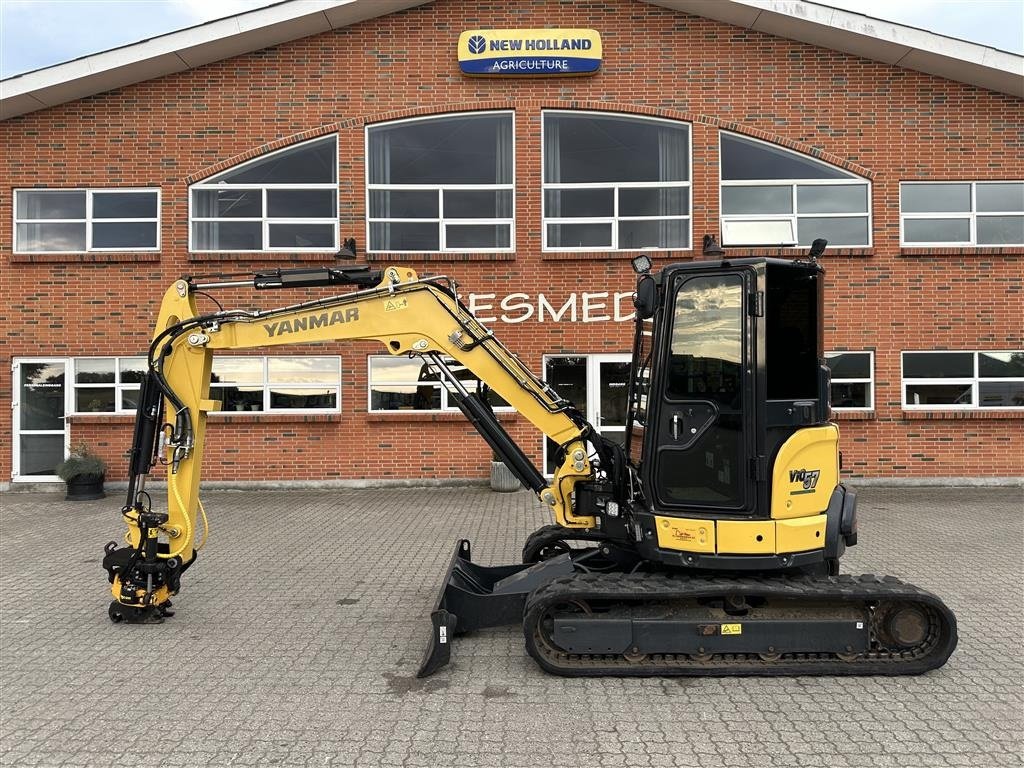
[(396, 304), (732, 629)]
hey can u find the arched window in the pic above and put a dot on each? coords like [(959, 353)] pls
[(773, 196), (615, 182), (283, 201), (441, 184)]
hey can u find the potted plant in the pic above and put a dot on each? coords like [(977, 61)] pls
[(84, 473), (502, 478)]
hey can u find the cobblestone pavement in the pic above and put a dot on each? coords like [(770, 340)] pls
[(301, 626)]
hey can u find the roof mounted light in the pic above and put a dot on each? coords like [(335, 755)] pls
[(642, 264)]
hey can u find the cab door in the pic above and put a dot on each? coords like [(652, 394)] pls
[(702, 436)]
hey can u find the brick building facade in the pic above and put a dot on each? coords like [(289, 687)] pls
[(74, 320)]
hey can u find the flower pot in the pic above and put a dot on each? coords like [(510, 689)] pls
[(85, 488), (502, 478)]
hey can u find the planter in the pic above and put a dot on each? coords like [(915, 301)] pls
[(502, 478), (85, 488)]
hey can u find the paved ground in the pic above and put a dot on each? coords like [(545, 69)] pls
[(301, 626)]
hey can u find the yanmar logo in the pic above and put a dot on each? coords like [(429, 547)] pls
[(807, 477), (311, 322)]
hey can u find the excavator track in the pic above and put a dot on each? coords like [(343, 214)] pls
[(552, 540), (642, 624)]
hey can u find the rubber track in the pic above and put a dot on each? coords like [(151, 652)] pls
[(552, 534), (933, 652)]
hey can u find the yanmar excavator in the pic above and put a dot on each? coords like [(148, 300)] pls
[(707, 544)]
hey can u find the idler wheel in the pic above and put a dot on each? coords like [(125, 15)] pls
[(903, 626)]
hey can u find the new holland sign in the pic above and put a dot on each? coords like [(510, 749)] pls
[(530, 52)]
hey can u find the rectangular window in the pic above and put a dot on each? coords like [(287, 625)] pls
[(853, 380), (615, 182), (963, 380), (107, 384), (274, 384), (441, 183), (83, 220), (401, 384), (964, 213)]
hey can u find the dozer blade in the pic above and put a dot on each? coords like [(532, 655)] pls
[(475, 597)]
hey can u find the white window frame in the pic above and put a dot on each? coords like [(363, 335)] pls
[(117, 385), (971, 216), (974, 382), (615, 186), (89, 221), (267, 386), (441, 221), (793, 217), (870, 380), (267, 221), (447, 405)]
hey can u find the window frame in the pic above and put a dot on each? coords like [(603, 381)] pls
[(794, 185), (446, 406), (89, 220), (268, 221), (615, 186), (974, 381), (870, 381), (441, 221), (267, 386), (970, 216), (117, 385)]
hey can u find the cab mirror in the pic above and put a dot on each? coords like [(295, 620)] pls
[(646, 298)]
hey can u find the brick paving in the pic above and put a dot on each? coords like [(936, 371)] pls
[(300, 629)]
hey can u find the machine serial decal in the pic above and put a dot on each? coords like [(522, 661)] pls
[(311, 322), (807, 477)]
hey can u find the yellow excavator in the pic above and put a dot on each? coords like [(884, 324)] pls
[(706, 543)]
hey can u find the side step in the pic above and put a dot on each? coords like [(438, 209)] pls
[(476, 597)]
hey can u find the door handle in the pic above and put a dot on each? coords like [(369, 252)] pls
[(676, 422)]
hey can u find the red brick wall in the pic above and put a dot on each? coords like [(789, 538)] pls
[(887, 123)]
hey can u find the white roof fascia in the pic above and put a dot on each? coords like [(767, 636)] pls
[(867, 37), (185, 49)]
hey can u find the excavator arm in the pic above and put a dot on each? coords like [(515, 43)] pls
[(407, 315)]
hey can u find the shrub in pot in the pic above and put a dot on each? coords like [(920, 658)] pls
[(502, 478), (84, 473)]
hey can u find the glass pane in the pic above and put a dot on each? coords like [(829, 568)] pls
[(237, 370), (51, 237), (51, 204), (1001, 394), (935, 198), (1000, 197), (568, 377), (580, 148), (707, 341), (227, 203), (94, 400), (132, 369), (838, 231), (936, 230), (614, 386), (579, 203), (654, 201), (478, 236), (403, 204), (768, 232), (124, 205), (711, 472), (850, 395), (405, 398), (1000, 364), (1001, 230), (757, 199), (314, 162), (301, 235), (467, 149), (94, 370), (302, 204), (227, 235), (938, 365), (580, 235), (478, 204), (832, 198), (670, 233), (124, 234), (849, 365), (303, 398), (303, 370), (129, 399), (238, 398), (746, 160), (387, 370), (40, 454), (42, 396), (404, 236), (939, 394)]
